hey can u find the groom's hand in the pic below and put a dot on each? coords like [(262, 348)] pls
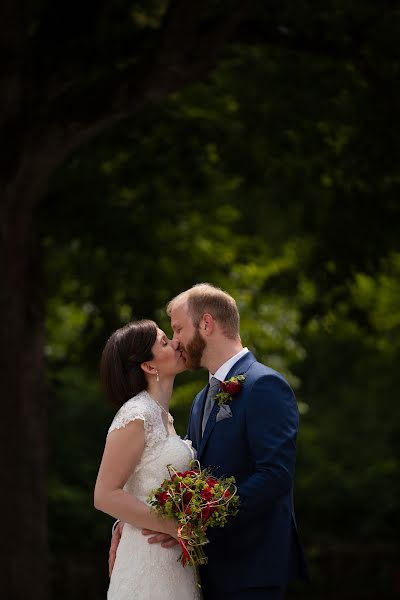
[(164, 539), (116, 538)]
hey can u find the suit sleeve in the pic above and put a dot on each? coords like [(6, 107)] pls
[(271, 425)]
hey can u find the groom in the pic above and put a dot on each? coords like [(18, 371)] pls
[(253, 437)]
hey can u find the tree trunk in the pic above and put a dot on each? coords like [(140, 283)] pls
[(44, 118), (23, 453)]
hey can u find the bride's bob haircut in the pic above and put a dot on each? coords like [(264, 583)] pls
[(121, 374)]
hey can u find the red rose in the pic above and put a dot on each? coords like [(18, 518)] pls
[(227, 494), (189, 474), (162, 497), (211, 481), (205, 513), (231, 387), (187, 496), (206, 494)]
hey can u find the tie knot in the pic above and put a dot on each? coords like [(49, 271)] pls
[(214, 384)]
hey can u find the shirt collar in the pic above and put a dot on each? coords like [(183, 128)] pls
[(224, 369)]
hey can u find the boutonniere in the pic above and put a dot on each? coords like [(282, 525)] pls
[(229, 388)]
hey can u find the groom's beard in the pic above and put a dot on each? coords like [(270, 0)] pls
[(194, 351)]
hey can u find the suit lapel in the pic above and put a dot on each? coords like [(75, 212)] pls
[(209, 427), (242, 365), (238, 368)]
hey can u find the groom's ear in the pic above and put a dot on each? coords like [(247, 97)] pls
[(207, 324)]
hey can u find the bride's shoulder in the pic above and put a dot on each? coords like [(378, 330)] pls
[(142, 399), (138, 407)]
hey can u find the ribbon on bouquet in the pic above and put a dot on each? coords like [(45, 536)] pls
[(191, 545), (185, 551)]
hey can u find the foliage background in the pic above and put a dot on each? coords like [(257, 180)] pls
[(278, 180)]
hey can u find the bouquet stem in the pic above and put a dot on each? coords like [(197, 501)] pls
[(191, 544)]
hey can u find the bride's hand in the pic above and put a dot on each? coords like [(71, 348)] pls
[(166, 540)]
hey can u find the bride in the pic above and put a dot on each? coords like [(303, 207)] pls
[(138, 367)]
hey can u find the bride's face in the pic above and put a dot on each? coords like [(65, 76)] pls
[(168, 358)]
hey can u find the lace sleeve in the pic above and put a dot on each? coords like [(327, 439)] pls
[(127, 413), (139, 408)]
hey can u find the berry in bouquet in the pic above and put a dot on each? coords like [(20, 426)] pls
[(197, 500)]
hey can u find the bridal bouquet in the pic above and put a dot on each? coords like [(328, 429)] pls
[(196, 500)]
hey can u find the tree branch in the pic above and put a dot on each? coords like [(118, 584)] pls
[(250, 33), (12, 46), (186, 48), (73, 107)]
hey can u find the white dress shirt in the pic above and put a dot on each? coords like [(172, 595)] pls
[(224, 369)]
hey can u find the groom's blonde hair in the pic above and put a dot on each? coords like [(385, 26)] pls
[(205, 298)]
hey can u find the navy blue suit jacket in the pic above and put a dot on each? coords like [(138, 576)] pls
[(260, 546)]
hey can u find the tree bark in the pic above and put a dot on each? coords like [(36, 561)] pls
[(43, 120), (23, 456)]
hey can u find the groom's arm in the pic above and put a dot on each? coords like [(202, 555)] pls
[(272, 424)]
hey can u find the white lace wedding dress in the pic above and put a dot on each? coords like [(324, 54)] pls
[(144, 571)]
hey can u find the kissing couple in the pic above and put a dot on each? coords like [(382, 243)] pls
[(253, 438)]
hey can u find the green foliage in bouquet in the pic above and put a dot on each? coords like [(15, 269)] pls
[(197, 500)]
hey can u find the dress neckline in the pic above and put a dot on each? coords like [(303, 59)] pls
[(162, 411)]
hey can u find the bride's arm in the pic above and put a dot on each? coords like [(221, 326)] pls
[(122, 452)]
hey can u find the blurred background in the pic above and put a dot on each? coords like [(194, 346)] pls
[(273, 172)]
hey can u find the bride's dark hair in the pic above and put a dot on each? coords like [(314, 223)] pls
[(120, 371)]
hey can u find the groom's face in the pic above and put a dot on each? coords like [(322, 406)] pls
[(191, 342)]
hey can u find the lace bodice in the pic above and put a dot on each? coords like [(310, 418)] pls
[(142, 407), (160, 448), (146, 571)]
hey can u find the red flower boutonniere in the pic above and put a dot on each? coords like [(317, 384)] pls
[(229, 388)]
